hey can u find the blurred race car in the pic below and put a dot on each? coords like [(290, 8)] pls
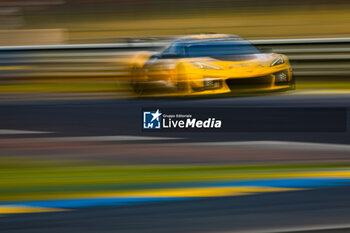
[(209, 64)]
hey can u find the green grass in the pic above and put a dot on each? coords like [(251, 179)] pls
[(117, 87), (273, 22), (24, 179)]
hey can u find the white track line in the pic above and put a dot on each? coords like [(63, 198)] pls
[(295, 229), (276, 145), (318, 92), (13, 131), (108, 138)]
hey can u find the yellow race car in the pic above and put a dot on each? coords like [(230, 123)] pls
[(209, 64)]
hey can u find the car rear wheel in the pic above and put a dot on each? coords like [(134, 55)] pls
[(182, 80), (137, 83)]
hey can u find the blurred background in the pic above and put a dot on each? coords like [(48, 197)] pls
[(73, 157), (113, 31), (26, 22)]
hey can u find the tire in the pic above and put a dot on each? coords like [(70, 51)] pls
[(182, 80), (139, 86), (292, 84)]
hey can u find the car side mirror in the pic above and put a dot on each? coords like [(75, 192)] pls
[(266, 50), (169, 56), (155, 56)]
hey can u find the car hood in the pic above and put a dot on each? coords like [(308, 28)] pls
[(241, 61), (240, 66)]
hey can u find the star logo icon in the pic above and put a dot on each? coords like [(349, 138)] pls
[(152, 119), (156, 115)]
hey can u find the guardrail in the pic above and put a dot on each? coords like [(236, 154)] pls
[(318, 57), (309, 57)]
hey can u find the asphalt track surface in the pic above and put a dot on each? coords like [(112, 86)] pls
[(322, 210), (317, 210), (124, 116)]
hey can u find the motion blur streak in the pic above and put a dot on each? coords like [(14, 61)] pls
[(90, 71), (20, 209), (188, 183), (78, 77)]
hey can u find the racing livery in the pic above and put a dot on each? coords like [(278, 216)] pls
[(209, 64)]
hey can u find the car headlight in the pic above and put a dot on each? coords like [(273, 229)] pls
[(212, 83), (277, 61), (206, 66)]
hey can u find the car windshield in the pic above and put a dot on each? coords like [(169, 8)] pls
[(220, 49)]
